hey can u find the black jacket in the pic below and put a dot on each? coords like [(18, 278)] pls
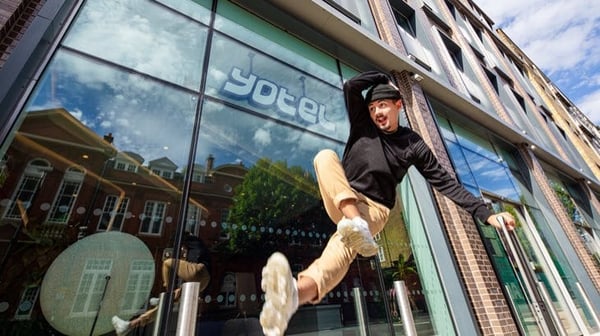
[(376, 162), (197, 252)]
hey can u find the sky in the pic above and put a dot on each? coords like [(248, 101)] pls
[(562, 38)]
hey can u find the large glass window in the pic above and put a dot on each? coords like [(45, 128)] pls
[(477, 162), (413, 36), (127, 109), (113, 213), (549, 282), (358, 11), (144, 36)]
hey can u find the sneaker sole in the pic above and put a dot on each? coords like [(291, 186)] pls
[(117, 328), (277, 285), (354, 239)]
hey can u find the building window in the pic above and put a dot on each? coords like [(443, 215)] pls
[(520, 100), (153, 215), (69, 189), (492, 77), (381, 254), (28, 299), (357, 11), (28, 187), (405, 17), (168, 174), (407, 27), (479, 33), (194, 214), (91, 286), (451, 8), (113, 213), (198, 177), (454, 52), (475, 156), (126, 166), (139, 283)]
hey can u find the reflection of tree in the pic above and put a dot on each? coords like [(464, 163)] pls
[(404, 267), (272, 198), (566, 200)]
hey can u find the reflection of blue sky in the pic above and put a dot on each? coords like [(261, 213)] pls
[(232, 136), (491, 176), (460, 164), (278, 45), (474, 143), (154, 119), (143, 36), (296, 83), (144, 117)]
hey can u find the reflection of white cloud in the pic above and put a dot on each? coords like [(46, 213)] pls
[(77, 114), (45, 106), (262, 137), (132, 29), (122, 122), (484, 170), (142, 115)]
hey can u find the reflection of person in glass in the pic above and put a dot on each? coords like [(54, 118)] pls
[(358, 193), (193, 267)]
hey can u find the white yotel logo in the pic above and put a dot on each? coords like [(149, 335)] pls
[(263, 93)]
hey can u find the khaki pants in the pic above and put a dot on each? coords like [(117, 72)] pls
[(188, 272), (331, 267)]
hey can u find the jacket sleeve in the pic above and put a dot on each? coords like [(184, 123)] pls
[(428, 165), (353, 88)]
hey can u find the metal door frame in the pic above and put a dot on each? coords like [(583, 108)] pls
[(537, 296)]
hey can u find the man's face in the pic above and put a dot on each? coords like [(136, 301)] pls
[(384, 113)]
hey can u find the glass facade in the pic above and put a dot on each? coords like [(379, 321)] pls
[(164, 116), (152, 118), (531, 264)]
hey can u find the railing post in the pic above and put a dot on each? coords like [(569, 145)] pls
[(160, 307), (405, 311), (361, 312), (188, 309)]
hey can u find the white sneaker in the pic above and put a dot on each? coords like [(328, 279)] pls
[(281, 295), (356, 235), (121, 326), (153, 301)]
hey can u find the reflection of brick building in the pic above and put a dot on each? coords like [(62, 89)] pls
[(74, 183)]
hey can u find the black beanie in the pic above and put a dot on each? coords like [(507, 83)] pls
[(382, 91)]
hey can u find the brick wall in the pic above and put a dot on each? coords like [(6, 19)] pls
[(15, 18)]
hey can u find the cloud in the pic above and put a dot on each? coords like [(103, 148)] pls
[(262, 137), (590, 105), (561, 37)]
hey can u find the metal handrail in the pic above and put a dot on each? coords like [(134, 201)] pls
[(405, 311), (188, 309), (361, 313), (160, 308)]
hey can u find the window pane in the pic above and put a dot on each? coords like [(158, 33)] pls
[(268, 86), (142, 36)]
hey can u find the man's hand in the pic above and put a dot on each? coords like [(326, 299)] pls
[(496, 220)]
